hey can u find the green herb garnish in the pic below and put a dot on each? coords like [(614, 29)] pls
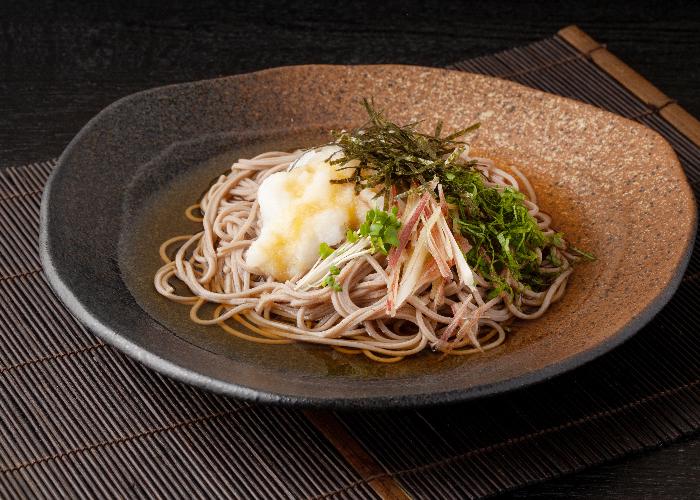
[(585, 255), (382, 229), (502, 233), (324, 250), (554, 258), (557, 240), (330, 279)]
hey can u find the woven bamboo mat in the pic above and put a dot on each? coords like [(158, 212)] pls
[(79, 419)]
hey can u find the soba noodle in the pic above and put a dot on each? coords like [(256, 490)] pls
[(211, 264)]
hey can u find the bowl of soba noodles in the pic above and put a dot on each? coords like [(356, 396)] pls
[(364, 236)]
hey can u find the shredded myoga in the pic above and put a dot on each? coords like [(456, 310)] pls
[(418, 294)]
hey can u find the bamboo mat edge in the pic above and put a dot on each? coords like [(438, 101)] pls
[(634, 82)]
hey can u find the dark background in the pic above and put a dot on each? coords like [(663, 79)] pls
[(61, 62)]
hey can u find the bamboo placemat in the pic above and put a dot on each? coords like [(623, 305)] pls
[(79, 419)]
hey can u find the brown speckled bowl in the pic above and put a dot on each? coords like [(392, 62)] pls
[(613, 186)]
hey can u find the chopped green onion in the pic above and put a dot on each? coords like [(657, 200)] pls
[(381, 228), (324, 250), (330, 279)]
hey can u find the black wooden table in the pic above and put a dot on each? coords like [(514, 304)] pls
[(60, 63)]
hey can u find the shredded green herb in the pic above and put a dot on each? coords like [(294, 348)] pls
[(586, 255), (395, 160), (330, 279), (502, 233)]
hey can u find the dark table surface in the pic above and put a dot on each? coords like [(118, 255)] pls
[(60, 63)]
